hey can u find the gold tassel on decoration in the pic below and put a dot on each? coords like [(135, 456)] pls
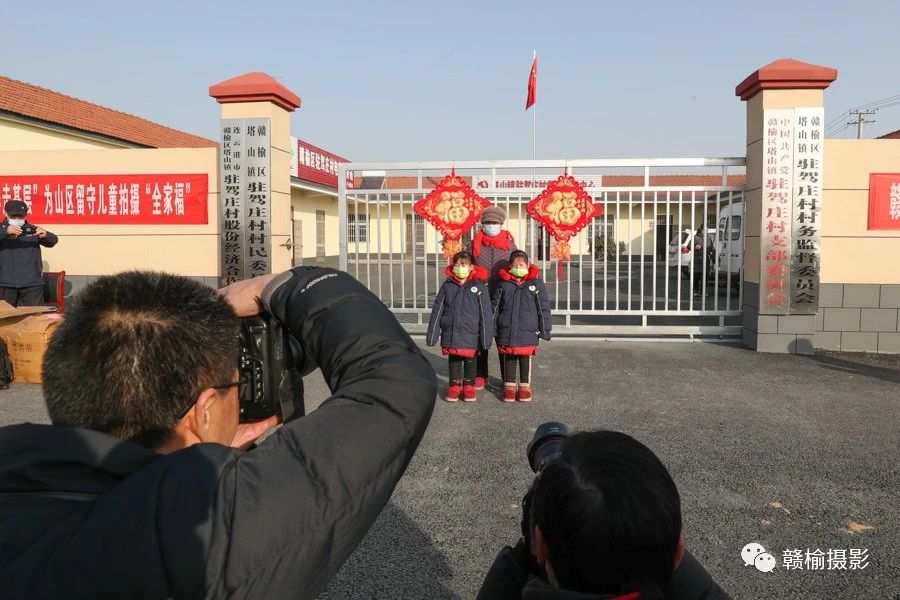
[(561, 250), (451, 247)]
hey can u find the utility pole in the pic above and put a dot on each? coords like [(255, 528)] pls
[(861, 120)]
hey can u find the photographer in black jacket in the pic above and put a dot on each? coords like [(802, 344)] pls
[(139, 489), (21, 267), (602, 521)]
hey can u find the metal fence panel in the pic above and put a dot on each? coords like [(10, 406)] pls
[(632, 272)]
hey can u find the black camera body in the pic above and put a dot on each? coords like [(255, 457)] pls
[(273, 383), (29, 229), (545, 447)]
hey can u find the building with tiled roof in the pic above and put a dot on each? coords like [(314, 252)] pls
[(894, 135), (28, 107), (396, 182)]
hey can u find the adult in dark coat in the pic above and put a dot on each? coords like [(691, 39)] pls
[(604, 522), (491, 248), (512, 576), (89, 514), (701, 259), (21, 266)]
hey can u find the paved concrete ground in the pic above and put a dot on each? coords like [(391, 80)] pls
[(788, 451)]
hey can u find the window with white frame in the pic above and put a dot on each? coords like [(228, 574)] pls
[(605, 225), (357, 228)]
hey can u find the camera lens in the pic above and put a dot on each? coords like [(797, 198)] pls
[(546, 445)]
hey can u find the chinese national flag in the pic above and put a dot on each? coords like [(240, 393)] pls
[(532, 84)]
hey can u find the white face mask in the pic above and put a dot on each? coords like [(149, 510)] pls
[(491, 229), (17, 222)]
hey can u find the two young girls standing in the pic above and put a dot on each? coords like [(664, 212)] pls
[(464, 318)]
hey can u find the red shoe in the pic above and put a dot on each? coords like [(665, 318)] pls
[(509, 393), (524, 394), (479, 383), (469, 393), (453, 393)]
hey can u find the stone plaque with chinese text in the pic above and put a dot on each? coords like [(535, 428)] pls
[(246, 198), (775, 228), (809, 134)]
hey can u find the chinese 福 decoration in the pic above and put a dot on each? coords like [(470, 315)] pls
[(564, 209), (453, 208)]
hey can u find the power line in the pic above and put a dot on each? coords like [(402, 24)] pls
[(858, 117), (838, 120), (878, 103), (835, 132)]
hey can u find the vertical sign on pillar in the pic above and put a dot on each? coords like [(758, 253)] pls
[(232, 181), (775, 233), (246, 199), (258, 178), (807, 205)]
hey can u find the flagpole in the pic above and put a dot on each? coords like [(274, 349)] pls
[(533, 121)]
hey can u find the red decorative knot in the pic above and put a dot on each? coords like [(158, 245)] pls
[(564, 209), (453, 208)]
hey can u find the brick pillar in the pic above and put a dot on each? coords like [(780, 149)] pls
[(255, 95), (783, 84)]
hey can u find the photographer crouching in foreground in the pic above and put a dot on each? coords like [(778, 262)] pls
[(141, 487), (602, 520)]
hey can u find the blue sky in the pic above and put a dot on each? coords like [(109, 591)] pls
[(446, 80)]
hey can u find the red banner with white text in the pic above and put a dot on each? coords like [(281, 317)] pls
[(884, 201), (167, 199)]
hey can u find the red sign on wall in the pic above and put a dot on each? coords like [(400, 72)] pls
[(884, 201), (318, 165), (178, 199)]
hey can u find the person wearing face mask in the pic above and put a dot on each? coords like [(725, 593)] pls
[(463, 321), (491, 248), (21, 266), (522, 313)]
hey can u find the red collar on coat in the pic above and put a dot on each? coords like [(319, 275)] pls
[(502, 241), (533, 273), (477, 272)]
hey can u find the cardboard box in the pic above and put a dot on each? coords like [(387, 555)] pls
[(27, 332)]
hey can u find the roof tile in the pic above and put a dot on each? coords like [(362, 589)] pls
[(46, 105)]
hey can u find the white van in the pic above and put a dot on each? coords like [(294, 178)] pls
[(681, 251), (730, 251)]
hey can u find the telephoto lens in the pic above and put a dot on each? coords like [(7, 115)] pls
[(546, 445)]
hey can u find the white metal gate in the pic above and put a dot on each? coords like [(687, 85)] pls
[(632, 271)]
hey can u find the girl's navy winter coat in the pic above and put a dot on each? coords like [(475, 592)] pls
[(462, 316), (522, 309)]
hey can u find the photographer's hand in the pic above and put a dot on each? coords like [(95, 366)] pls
[(40, 232), (14, 230), (247, 433), (243, 296)]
